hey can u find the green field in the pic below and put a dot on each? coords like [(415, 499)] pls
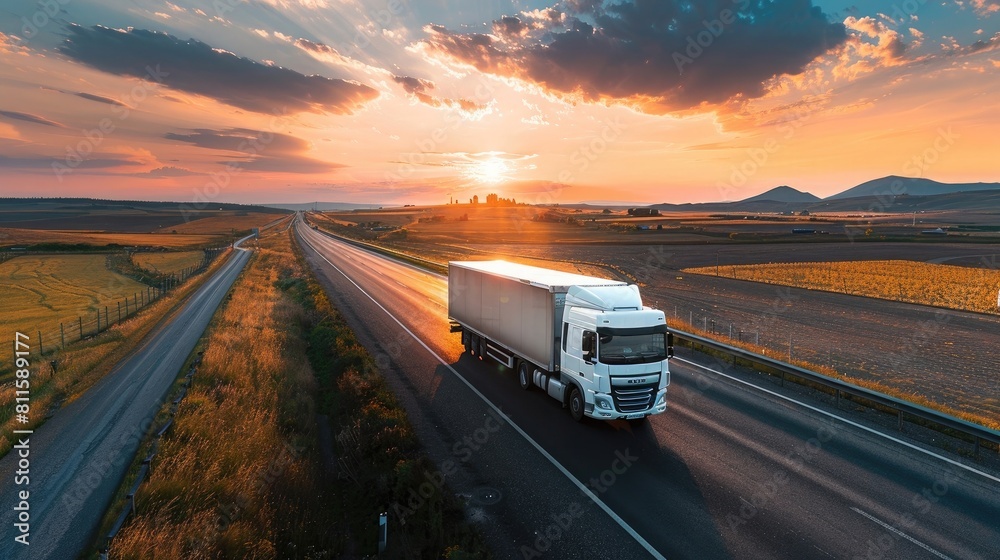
[(169, 262), (40, 291)]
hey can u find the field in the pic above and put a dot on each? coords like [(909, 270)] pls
[(42, 290), (30, 222), (224, 224), (29, 237), (941, 285), (168, 262)]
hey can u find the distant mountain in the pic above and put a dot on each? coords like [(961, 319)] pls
[(324, 206), (894, 185), (980, 200), (782, 194)]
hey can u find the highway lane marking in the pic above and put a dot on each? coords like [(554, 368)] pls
[(845, 420), (583, 488), (901, 534)]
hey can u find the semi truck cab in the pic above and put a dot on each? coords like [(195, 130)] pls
[(616, 351)]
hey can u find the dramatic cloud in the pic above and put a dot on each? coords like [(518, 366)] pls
[(872, 45), (256, 150), (30, 118), (196, 67), (662, 56), (419, 89)]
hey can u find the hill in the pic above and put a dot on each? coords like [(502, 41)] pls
[(782, 194), (894, 185)]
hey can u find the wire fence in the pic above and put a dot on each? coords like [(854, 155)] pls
[(112, 313), (759, 332)]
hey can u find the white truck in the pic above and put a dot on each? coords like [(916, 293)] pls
[(587, 342)]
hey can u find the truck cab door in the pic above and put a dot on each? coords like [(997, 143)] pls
[(588, 355)]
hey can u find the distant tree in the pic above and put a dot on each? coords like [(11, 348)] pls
[(606, 211)]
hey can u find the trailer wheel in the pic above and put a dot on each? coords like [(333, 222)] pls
[(576, 404), (524, 375), (481, 349), (467, 342)]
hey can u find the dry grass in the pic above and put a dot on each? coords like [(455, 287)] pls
[(941, 285), (26, 237), (909, 396), (40, 291), (227, 224), (170, 262), (84, 363), (231, 480), (237, 475)]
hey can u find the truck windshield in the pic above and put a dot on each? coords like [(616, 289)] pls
[(632, 349)]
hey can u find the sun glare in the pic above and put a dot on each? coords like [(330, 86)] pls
[(490, 171)]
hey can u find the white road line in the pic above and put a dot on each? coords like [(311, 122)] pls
[(845, 420), (902, 534), (583, 488)]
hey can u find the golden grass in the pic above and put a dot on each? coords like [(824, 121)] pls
[(10, 237), (227, 480), (953, 287), (40, 291), (226, 224), (83, 363), (169, 262)]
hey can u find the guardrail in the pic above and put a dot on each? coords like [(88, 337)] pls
[(129, 507), (902, 408), (405, 257)]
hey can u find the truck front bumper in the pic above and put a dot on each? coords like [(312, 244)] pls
[(602, 407)]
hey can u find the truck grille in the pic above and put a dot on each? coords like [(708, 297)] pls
[(637, 398)]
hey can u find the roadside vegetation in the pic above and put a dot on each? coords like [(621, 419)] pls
[(289, 443), (83, 363), (954, 287)]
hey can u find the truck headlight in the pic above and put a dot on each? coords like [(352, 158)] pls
[(603, 403)]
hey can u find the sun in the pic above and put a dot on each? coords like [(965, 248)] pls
[(490, 171)]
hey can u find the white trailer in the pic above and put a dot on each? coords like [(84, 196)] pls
[(587, 342)]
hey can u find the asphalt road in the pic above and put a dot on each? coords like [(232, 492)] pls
[(79, 457), (727, 472)]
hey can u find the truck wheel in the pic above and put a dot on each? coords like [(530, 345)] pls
[(524, 375), (576, 404)]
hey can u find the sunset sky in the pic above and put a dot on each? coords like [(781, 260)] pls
[(399, 101)]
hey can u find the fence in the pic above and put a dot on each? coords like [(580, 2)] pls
[(115, 312), (903, 410)]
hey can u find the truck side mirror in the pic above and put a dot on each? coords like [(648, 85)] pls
[(670, 345)]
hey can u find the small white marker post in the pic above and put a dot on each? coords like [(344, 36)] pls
[(383, 533)]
